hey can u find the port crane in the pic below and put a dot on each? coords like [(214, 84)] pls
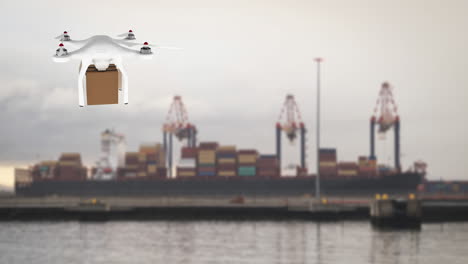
[(290, 122), (385, 117), (178, 125), (113, 147)]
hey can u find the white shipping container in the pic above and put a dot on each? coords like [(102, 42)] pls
[(187, 163)]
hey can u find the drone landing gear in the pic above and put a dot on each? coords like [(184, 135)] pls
[(124, 84), (83, 68)]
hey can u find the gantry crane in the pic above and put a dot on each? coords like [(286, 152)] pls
[(385, 116), (290, 122), (112, 148), (177, 125)]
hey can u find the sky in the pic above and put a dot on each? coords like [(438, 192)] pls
[(239, 60)]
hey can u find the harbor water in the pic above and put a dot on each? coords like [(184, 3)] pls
[(229, 242)]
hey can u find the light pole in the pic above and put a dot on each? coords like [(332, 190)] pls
[(317, 178)]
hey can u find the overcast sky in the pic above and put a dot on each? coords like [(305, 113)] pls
[(240, 59)]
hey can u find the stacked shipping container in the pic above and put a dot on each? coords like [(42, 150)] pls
[(130, 171), (148, 163), (327, 162), (45, 170), (152, 161), (268, 166), (247, 162), (206, 159), (70, 168), (347, 169), (367, 167), (67, 168), (226, 160)]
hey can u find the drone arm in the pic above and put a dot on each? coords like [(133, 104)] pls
[(126, 43), (71, 55), (77, 44)]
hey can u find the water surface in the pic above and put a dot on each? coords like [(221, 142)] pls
[(229, 242)]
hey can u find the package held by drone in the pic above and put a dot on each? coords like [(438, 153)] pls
[(102, 87)]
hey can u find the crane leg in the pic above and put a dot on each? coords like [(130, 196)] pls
[(84, 67), (119, 66)]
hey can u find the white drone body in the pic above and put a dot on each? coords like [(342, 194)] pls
[(102, 51)]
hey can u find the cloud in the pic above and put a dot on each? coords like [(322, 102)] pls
[(18, 87)]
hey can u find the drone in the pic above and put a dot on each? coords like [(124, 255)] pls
[(102, 51)]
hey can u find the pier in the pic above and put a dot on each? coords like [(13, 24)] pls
[(211, 208)]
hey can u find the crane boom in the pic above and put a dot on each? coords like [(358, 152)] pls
[(290, 119)]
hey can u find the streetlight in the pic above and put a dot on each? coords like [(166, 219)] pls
[(317, 178)]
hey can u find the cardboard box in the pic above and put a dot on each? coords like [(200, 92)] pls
[(102, 87)]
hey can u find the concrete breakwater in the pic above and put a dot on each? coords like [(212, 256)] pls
[(209, 208)]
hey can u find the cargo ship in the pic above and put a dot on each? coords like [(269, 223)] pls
[(210, 169)]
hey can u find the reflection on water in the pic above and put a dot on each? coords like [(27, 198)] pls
[(229, 242)]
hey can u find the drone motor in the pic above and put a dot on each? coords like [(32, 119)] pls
[(145, 49), (61, 51)]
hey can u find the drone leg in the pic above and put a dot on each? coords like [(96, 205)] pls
[(81, 76), (124, 81)]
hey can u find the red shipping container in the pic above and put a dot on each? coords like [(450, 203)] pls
[(188, 152), (208, 145), (161, 172), (227, 166)]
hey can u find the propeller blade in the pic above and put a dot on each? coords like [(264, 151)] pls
[(61, 35), (169, 48)]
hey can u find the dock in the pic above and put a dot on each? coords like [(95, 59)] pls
[(209, 208)]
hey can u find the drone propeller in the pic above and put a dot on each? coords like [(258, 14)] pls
[(150, 45), (169, 48), (128, 35), (63, 36)]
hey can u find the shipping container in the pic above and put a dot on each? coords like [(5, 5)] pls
[(221, 155), (162, 172), (268, 172), (206, 169), (247, 159), (188, 152), (186, 173), (268, 156), (347, 164), (227, 161), (131, 158), (247, 171), (141, 157), (150, 148), (72, 156), (227, 173), (206, 173), (327, 151), (327, 164), (208, 145), (345, 172), (151, 169), (247, 151), (227, 149), (187, 163)]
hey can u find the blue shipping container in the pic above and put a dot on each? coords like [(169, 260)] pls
[(206, 173)]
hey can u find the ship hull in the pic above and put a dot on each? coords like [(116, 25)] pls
[(218, 186)]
